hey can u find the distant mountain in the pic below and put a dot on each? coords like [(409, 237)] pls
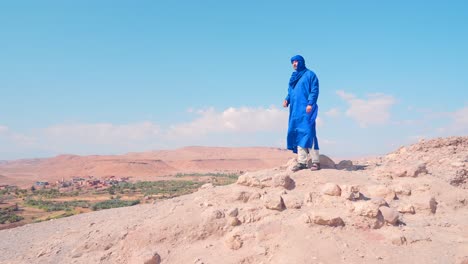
[(144, 165)]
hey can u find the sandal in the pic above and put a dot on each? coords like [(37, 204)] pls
[(298, 167), (315, 167)]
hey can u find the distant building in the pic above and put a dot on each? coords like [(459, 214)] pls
[(41, 183)]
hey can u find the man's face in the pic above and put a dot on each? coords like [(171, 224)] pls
[(294, 64)]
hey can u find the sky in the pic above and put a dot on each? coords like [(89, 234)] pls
[(112, 77)]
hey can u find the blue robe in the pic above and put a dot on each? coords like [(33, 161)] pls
[(302, 91)]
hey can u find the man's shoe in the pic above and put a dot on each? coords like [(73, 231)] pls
[(298, 167), (315, 167)]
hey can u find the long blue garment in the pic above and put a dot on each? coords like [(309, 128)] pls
[(303, 90)]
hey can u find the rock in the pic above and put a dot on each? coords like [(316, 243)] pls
[(390, 215), (292, 201), (308, 197), (233, 241), (233, 212), (381, 191), (416, 169), (326, 220), (433, 205), (351, 192), (262, 179), (460, 178), (402, 190), (207, 186), (283, 180), (345, 165), (326, 162), (246, 196), (306, 218), (274, 202), (213, 214), (399, 240), (253, 179), (155, 259), (425, 203), (406, 209), (369, 208), (331, 189), (234, 221)]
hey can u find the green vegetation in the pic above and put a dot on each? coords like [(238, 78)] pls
[(162, 188), (8, 216), (113, 203), (50, 206), (217, 178), (54, 193), (226, 175)]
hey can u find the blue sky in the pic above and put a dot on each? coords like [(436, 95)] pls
[(110, 77)]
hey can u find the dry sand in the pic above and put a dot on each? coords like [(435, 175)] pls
[(410, 206)]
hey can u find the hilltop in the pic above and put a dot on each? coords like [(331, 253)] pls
[(410, 206)]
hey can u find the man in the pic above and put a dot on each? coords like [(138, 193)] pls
[(302, 97)]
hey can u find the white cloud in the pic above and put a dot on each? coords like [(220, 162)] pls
[(3, 129), (375, 110), (61, 136), (230, 127), (333, 112), (458, 123), (461, 119), (240, 120)]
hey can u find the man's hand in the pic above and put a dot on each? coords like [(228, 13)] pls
[(285, 103), (309, 109)]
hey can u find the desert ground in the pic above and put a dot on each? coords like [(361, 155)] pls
[(410, 206)]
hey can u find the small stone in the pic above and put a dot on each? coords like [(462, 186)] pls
[(233, 212), (308, 197), (328, 221), (399, 241), (390, 215), (402, 190), (233, 242), (274, 202), (406, 209), (351, 192), (234, 221), (306, 218), (331, 189), (155, 259)]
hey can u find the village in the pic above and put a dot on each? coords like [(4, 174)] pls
[(80, 183), (89, 182)]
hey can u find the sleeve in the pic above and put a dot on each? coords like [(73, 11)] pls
[(287, 96), (314, 90)]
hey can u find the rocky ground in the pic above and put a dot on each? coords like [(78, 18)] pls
[(410, 206)]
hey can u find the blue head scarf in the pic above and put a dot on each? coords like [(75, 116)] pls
[(301, 69)]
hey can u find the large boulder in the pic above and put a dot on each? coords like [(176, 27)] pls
[(325, 162), (262, 179), (345, 165), (369, 208), (390, 215), (331, 189)]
